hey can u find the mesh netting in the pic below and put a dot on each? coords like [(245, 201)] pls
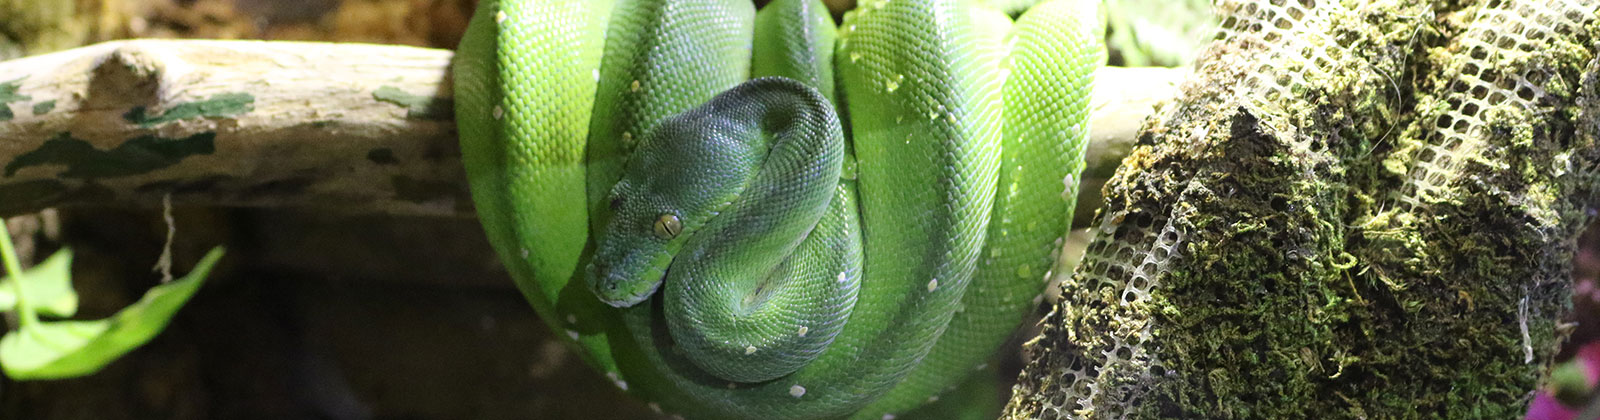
[(1487, 76), (1357, 209)]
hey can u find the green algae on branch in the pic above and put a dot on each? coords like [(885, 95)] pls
[(134, 156), (217, 106), (418, 107), (8, 94), (1372, 218), (44, 107)]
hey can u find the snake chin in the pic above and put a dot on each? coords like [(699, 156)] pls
[(617, 289)]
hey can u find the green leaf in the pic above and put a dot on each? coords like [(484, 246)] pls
[(67, 349), (46, 287)]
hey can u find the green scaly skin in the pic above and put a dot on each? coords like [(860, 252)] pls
[(778, 248)]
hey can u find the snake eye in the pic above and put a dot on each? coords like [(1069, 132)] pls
[(668, 227)]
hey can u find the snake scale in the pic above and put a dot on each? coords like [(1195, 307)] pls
[(742, 214)]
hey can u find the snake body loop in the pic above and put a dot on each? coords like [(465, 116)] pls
[(753, 176), (784, 247)]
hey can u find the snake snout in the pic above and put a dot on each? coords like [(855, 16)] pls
[(619, 287)]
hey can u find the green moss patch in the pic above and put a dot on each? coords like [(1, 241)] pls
[(134, 156), (418, 107), (8, 94), (217, 106)]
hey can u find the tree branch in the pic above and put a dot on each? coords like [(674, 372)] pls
[(347, 127)]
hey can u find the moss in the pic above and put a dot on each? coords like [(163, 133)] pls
[(1337, 251)]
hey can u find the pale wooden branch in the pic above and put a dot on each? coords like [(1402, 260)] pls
[(235, 123), (347, 127)]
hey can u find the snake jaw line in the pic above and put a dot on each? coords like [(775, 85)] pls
[(607, 284)]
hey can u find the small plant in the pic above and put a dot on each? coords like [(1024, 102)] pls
[(59, 349)]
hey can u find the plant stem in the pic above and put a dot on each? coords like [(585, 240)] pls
[(9, 254), (25, 315)]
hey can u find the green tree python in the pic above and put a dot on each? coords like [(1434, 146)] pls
[(767, 215)]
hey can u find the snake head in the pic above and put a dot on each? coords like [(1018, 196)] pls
[(635, 248), (625, 277), (684, 173)]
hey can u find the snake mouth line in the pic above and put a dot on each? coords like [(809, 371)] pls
[(617, 290)]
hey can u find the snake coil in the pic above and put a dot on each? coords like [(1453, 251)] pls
[(733, 249)]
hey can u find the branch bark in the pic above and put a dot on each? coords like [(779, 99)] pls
[(344, 127), (232, 123)]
